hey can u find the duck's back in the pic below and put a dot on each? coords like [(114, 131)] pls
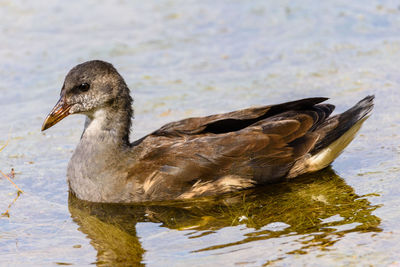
[(237, 150)]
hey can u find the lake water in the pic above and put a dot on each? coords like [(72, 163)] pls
[(192, 58)]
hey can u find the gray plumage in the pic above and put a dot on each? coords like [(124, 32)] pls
[(196, 156)]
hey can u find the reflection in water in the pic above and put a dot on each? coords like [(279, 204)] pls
[(319, 208)]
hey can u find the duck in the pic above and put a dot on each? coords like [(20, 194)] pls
[(194, 157)]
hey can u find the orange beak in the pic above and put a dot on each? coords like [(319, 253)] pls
[(59, 112)]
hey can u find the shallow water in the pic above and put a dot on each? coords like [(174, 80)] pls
[(197, 58)]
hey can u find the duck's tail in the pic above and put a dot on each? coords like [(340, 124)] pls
[(337, 132), (334, 136)]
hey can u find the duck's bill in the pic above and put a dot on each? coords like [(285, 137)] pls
[(59, 112)]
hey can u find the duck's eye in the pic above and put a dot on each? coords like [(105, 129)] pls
[(84, 87)]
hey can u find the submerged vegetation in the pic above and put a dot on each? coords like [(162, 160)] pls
[(320, 207), (19, 190)]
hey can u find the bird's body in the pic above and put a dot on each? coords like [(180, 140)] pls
[(196, 156)]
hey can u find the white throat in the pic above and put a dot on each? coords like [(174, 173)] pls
[(96, 124)]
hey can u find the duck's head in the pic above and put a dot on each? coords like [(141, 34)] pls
[(88, 87)]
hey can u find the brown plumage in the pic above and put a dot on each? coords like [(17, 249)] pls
[(196, 156)]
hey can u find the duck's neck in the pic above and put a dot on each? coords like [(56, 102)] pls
[(109, 126), (95, 171)]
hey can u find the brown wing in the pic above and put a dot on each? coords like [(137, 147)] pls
[(227, 152), (237, 120)]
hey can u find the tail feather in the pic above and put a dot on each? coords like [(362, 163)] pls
[(334, 136), (336, 126), (327, 155)]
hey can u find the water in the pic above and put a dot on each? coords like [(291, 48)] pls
[(191, 58)]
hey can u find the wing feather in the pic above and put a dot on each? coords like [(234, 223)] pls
[(257, 145), (238, 120)]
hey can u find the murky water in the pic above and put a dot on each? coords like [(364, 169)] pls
[(189, 58)]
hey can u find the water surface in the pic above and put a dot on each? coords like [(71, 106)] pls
[(192, 58)]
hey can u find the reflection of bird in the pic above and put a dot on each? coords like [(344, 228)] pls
[(196, 156), (316, 210)]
